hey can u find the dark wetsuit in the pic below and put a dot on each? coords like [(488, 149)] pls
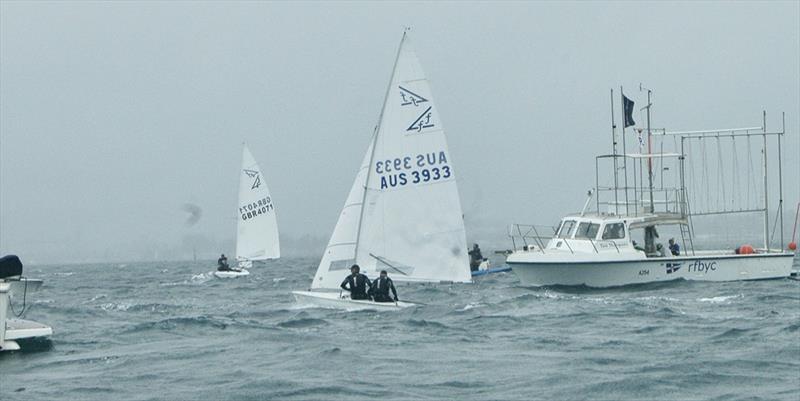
[(222, 265), (358, 286), (675, 249), (475, 258), (380, 290)]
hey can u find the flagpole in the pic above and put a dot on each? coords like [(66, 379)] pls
[(624, 151), (614, 142)]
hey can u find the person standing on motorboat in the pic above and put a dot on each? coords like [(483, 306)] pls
[(222, 264), (380, 288), (475, 258), (357, 283), (674, 248), (660, 250)]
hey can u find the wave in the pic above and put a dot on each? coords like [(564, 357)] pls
[(302, 323)]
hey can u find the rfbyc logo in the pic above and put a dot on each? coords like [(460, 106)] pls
[(699, 266), (673, 267)]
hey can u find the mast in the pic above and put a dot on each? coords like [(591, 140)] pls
[(614, 142), (766, 194), (624, 151), (375, 142), (650, 154)]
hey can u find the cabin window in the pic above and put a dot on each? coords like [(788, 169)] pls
[(614, 231), (566, 229), (587, 230)]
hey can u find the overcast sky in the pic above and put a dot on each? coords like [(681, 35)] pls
[(113, 115)]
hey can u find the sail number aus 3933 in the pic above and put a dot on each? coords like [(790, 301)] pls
[(421, 168)]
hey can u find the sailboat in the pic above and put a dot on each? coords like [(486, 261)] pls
[(257, 228), (403, 212)]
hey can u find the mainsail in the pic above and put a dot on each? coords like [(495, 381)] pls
[(257, 229), (403, 213)]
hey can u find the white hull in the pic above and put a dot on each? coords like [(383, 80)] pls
[(610, 273), (332, 300), (18, 329), (231, 274)]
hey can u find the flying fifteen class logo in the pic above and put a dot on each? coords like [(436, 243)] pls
[(409, 97), (423, 121), (256, 178)]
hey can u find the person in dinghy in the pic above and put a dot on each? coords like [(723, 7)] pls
[(222, 264), (358, 284), (381, 287)]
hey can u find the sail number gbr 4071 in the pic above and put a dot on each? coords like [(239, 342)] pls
[(257, 208), (413, 170)]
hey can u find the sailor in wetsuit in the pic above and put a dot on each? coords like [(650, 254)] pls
[(475, 258), (380, 289), (357, 283), (222, 264)]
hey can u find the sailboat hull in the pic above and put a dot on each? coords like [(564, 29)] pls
[(611, 273), (332, 300)]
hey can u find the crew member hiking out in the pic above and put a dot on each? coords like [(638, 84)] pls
[(381, 287), (357, 283)]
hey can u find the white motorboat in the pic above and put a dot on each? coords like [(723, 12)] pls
[(13, 329), (403, 212), (257, 227), (597, 249)]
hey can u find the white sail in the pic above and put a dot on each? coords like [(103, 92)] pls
[(341, 250), (257, 229), (410, 220)]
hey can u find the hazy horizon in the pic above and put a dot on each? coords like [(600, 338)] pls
[(115, 115)]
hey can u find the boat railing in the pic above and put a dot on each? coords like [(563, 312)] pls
[(527, 235)]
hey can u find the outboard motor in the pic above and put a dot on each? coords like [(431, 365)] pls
[(10, 267)]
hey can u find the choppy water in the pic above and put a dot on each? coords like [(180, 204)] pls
[(171, 331)]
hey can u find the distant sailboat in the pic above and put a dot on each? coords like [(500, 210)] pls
[(257, 228), (403, 212)]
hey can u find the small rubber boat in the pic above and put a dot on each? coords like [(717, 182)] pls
[(231, 273), (332, 300), (484, 272)]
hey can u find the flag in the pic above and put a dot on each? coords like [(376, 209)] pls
[(627, 106)]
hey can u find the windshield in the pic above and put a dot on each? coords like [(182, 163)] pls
[(587, 230), (566, 229), (614, 231)]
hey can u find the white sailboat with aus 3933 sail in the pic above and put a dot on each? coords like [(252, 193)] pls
[(403, 212), (257, 227), (694, 177)]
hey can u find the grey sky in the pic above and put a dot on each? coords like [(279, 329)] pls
[(112, 115)]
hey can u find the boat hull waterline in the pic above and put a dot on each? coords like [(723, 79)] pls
[(618, 273), (332, 300)]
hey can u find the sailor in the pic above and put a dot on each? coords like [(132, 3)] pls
[(475, 258), (674, 248), (222, 264), (660, 250), (357, 283), (380, 288)]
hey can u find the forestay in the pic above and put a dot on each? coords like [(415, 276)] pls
[(257, 229), (409, 220)]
